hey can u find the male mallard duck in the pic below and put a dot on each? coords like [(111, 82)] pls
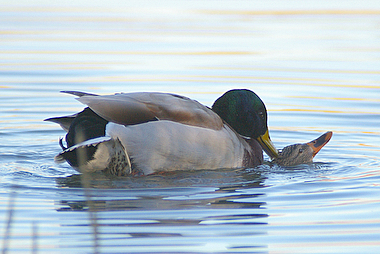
[(302, 153), (143, 133)]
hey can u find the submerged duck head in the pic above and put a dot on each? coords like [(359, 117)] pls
[(302, 153), (245, 112)]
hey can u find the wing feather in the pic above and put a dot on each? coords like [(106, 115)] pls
[(134, 108), (63, 121)]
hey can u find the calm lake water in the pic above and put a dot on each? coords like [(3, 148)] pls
[(315, 64)]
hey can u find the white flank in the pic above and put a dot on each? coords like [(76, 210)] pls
[(166, 145)]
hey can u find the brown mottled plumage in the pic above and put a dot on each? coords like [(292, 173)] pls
[(302, 153)]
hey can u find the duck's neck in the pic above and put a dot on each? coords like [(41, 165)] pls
[(255, 156)]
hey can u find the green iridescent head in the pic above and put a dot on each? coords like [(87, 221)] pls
[(245, 112)]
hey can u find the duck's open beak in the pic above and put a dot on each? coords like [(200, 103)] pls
[(267, 145), (320, 142)]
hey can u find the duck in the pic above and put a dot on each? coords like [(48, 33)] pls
[(142, 133), (302, 153)]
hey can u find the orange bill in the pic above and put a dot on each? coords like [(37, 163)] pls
[(320, 142)]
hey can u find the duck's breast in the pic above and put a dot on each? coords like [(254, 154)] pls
[(166, 145)]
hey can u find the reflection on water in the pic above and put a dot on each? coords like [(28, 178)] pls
[(222, 198), (140, 191), (315, 65), (173, 205)]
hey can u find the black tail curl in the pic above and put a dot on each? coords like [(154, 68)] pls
[(86, 125)]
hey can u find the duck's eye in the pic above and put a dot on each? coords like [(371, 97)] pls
[(261, 114), (301, 150)]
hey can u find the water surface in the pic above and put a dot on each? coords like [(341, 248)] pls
[(316, 66)]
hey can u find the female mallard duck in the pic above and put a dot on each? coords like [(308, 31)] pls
[(302, 153), (143, 133)]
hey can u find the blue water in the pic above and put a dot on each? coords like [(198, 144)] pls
[(316, 66)]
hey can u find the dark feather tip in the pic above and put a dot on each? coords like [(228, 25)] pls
[(79, 94)]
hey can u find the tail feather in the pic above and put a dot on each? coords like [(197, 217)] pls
[(74, 155), (98, 154), (64, 121), (88, 149)]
